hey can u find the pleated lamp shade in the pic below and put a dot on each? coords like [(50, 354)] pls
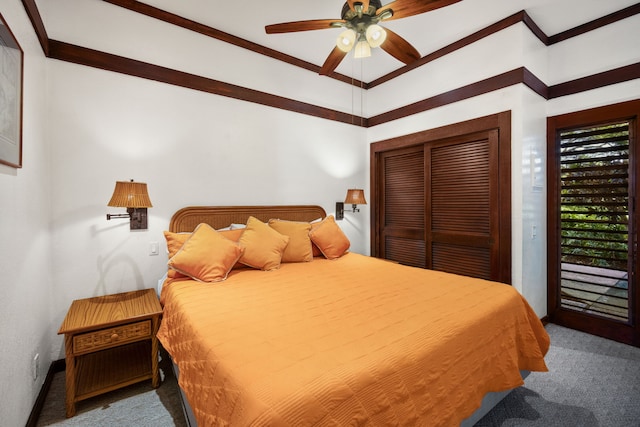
[(355, 197), (129, 194)]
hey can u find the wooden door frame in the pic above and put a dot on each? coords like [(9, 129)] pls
[(500, 122), (612, 329)]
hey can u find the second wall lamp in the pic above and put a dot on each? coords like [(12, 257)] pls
[(355, 197)]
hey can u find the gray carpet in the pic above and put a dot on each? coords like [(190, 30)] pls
[(592, 382), (138, 405)]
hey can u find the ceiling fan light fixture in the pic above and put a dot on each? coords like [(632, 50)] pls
[(385, 15), (376, 35), (362, 49), (346, 40)]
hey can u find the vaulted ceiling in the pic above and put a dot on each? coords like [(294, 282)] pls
[(428, 32)]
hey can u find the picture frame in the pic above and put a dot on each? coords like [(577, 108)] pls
[(11, 84)]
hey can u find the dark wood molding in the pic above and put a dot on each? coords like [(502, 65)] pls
[(491, 84), (595, 24), (36, 21), (119, 64), (594, 81), (533, 27), (56, 366), (188, 24), (522, 16), (493, 121), (478, 35), (534, 83), (85, 56)]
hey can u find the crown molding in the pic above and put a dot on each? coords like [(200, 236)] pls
[(85, 56)]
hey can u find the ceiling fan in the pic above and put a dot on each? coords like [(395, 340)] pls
[(360, 19)]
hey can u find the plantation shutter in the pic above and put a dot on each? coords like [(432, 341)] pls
[(594, 220), (403, 209), (463, 224)]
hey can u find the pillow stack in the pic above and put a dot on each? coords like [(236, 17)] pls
[(208, 255)]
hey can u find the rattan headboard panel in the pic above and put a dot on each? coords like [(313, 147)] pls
[(187, 219)]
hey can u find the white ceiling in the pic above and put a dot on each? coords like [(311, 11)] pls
[(428, 32)]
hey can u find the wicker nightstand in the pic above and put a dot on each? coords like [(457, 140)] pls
[(110, 342)]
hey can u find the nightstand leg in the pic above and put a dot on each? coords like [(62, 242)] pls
[(70, 376), (155, 375)]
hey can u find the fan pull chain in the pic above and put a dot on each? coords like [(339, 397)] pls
[(361, 93)]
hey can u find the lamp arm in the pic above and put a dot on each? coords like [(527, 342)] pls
[(109, 216)]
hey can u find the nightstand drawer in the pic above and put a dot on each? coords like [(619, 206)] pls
[(105, 338)]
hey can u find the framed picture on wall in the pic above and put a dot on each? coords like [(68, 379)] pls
[(11, 63)]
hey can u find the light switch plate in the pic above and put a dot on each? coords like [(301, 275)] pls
[(154, 248)]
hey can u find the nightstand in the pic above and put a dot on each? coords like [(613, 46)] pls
[(110, 342)]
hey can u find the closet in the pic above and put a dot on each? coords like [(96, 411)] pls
[(442, 198)]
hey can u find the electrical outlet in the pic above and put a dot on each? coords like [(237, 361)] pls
[(35, 366)]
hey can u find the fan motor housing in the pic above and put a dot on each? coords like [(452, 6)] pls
[(348, 14)]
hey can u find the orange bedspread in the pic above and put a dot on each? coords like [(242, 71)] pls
[(352, 341)]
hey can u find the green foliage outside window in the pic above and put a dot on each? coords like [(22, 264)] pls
[(594, 196)]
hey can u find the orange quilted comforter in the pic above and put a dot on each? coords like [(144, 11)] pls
[(354, 341)]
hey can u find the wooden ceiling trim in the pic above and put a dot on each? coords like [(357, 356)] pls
[(595, 81), (106, 61), (521, 16), (76, 54), (36, 21), (596, 23), (466, 41), (188, 24), (510, 78), (533, 27)]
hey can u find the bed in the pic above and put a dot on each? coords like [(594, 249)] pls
[(337, 340)]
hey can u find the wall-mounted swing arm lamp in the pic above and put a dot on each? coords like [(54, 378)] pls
[(355, 197), (133, 196)]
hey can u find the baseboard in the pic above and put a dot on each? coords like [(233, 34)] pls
[(56, 366)]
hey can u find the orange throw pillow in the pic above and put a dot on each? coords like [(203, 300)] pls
[(263, 246), (206, 256), (299, 247), (329, 238), (174, 243)]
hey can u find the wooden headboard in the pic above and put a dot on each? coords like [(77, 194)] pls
[(187, 219)]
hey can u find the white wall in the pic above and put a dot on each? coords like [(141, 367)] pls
[(191, 148), (25, 252)]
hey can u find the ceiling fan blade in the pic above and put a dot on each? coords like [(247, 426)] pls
[(399, 48), (291, 27), (365, 4), (405, 8), (333, 60)]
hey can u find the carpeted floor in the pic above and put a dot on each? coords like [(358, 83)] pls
[(591, 382), (138, 405)]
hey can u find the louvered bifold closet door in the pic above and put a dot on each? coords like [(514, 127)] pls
[(462, 199), (403, 215)]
